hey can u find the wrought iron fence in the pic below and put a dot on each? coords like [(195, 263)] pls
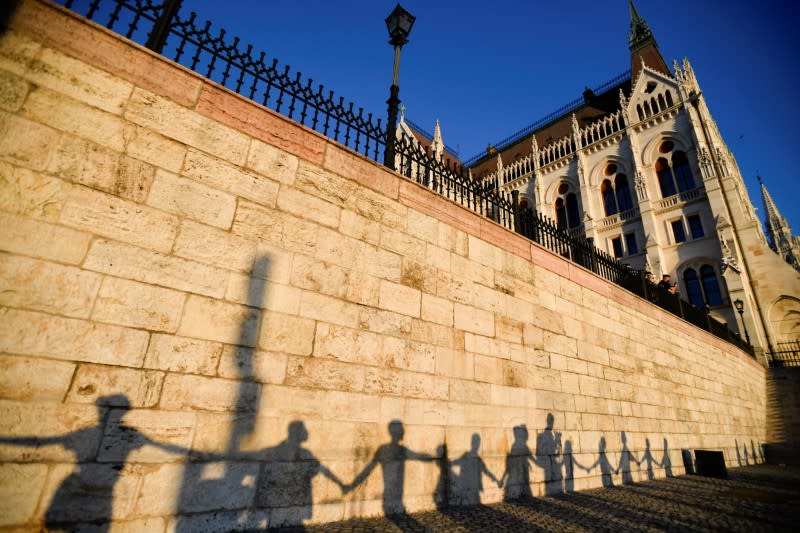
[(212, 53), (785, 354), (161, 27)]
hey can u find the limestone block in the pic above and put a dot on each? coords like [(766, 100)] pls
[(515, 374), (182, 354), (13, 91), (307, 206), (29, 333), (383, 381), (385, 322), (437, 257), (17, 51), (338, 249), (435, 334), (419, 276), (470, 392), (327, 309), (41, 286), (187, 198), (382, 264), (472, 270), (291, 403), (215, 320), (275, 227), (31, 237), (183, 391), (318, 276), (41, 429), (123, 260), (285, 333), (239, 362), (216, 247), (315, 373), (474, 320), (263, 294), (160, 487), (272, 162), (119, 219), (78, 80), (20, 488), (176, 122), (346, 344), (130, 303), (484, 253), (454, 363), (153, 148), (219, 174), (31, 194), (454, 288), (378, 207), (489, 299), (408, 355), (28, 378), (362, 288), (24, 142), (94, 381), (411, 248), (70, 116), (416, 385), (423, 226), (399, 298), (153, 428), (358, 227), (518, 268), (436, 310)]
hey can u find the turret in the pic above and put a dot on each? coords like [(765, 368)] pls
[(643, 46)]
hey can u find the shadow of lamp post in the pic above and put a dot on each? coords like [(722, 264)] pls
[(740, 308), (399, 24)]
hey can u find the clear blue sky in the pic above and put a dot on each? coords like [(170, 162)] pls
[(488, 69)]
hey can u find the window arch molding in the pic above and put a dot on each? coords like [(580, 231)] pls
[(563, 199), (598, 172), (701, 282), (613, 182), (650, 153)]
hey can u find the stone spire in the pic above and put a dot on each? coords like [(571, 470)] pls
[(437, 144), (643, 46), (779, 233)]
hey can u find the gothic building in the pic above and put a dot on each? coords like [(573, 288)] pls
[(639, 166)]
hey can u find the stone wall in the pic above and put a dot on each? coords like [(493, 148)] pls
[(213, 319), (783, 416)]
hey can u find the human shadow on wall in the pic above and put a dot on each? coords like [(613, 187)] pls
[(548, 457), (626, 457), (666, 462), (392, 458), (606, 469), (738, 453), (101, 451), (466, 475), (224, 482), (516, 479)]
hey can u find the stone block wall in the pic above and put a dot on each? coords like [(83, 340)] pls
[(214, 319)]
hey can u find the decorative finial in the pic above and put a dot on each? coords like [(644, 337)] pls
[(402, 110)]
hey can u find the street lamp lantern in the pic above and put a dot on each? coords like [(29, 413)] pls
[(740, 308), (399, 24)]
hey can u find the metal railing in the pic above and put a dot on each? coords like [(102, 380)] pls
[(213, 54), (161, 27), (785, 354)]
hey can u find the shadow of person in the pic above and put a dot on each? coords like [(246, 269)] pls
[(285, 474), (516, 480), (626, 457), (468, 485), (86, 495), (753, 451), (548, 451), (392, 458), (606, 470), (666, 462), (569, 467), (744, 454), (648, 459), (442, 492), (738, 454)]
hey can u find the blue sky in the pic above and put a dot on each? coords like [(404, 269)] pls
[(488, 69)]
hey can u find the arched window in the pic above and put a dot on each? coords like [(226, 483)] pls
[(664, 178), (566, 207), (669, 98), (673, 170), (662, 105), (640, 112), (694, 292), (710, 285), (609, 201), (683, 174), (624, 199)]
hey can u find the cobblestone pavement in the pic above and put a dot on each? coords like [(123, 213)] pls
[(753, 498)]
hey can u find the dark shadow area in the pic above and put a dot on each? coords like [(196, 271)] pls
[(548, 453), (648, 459), (7, 10), (666, 462), (392, 457), (688, 461), (606, 470), (738, 453), (86, 496), (626, 457), (467, 484), (516, 480)]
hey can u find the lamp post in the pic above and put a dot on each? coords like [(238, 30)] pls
[(399, 24), (740, 308)]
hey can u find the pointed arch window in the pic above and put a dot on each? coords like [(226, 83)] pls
[(624, 198), (609, 199), (673, 170), (702, 289), (566, 207), (710, 285), (693, 289), (615, 191)]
